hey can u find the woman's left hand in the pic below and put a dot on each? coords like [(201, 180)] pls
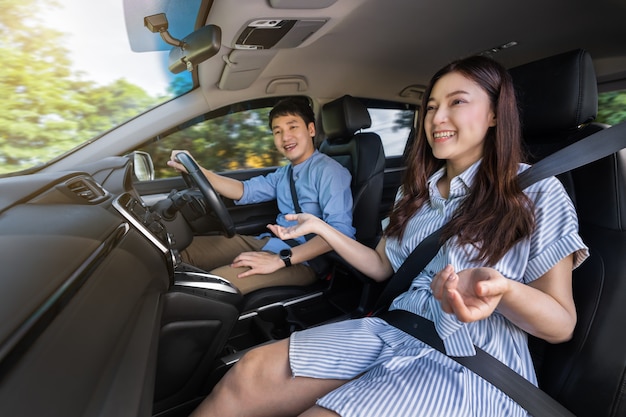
[(472, 294), (306, 224)]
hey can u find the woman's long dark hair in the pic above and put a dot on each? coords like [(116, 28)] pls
[(496, 214)]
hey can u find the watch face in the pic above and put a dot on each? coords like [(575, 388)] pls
[(285, 255)]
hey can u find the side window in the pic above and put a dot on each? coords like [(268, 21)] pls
[(393, 122), (394, 127), (612, 107), (235, 138)]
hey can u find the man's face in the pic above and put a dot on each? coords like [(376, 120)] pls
[(293, 138)]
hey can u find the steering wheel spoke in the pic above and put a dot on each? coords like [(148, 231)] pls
[(194, 176)]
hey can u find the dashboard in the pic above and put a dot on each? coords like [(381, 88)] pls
[(84, 269)]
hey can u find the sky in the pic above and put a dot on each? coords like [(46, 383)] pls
[(105, 55)]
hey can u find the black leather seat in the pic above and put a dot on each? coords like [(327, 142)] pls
[(558, 99), (363, 155)]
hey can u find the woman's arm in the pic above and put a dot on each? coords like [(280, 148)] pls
[(544, 308), (371, 262)]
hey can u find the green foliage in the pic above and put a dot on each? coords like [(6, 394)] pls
[(239, 140), (612, 107), (46, 109)]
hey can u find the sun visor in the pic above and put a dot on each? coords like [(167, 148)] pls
[(276, 33), (242, 68)]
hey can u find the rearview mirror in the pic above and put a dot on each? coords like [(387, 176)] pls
[(190, 51), (197, 47)]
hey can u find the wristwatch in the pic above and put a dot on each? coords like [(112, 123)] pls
[(285, 255)]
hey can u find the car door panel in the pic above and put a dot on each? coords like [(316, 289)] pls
[(80, 307)]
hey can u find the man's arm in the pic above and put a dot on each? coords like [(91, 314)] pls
[(266, 262), (228, 187)]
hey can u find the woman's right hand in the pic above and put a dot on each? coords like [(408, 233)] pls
[(307, 223), (471, 294)]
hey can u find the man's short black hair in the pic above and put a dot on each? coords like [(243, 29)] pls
[(298, 106)]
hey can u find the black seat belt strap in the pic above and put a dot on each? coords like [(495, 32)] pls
[(296, 205), (528, 396), (595, 146), (292, 186)]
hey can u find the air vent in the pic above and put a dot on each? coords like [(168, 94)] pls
[(87, 189)]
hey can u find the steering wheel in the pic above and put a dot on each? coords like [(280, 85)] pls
[(194, 176)]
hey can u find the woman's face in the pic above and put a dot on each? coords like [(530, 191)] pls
[(458, 115)]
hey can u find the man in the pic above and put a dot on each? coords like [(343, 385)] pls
[(322, 188)]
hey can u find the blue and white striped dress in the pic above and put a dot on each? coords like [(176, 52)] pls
[(402, 376)]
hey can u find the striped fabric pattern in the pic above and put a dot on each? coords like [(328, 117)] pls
[(401, 375)]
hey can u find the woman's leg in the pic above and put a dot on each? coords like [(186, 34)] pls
[(317, 411), (261, 384)]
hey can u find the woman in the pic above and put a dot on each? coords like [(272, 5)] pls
[(504, 270)]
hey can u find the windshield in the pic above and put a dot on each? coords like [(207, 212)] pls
[(68, 74)]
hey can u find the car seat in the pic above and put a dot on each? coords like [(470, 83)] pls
[(363, 155), (558, 100)]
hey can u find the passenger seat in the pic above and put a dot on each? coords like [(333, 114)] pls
[(558, 99)]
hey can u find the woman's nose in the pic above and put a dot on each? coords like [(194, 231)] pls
[(440, 115)]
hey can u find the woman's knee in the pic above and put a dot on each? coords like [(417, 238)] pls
[(263, 365)]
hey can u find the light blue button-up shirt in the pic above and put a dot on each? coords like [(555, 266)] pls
[(323, 188)]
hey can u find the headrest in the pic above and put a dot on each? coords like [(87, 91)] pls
[(344, 116), (556, 94)]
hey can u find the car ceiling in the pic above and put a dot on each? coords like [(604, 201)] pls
[(377, 49)]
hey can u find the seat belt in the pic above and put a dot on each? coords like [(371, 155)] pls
[(319, 264), (537, 402), (292, 186), (296, 205), (532, 399)]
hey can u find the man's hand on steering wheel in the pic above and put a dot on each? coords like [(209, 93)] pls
[(183, 162)]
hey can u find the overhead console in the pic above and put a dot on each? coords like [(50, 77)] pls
[(276, 33), (256, 44)]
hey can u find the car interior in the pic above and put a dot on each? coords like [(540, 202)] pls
[(101, 318)]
